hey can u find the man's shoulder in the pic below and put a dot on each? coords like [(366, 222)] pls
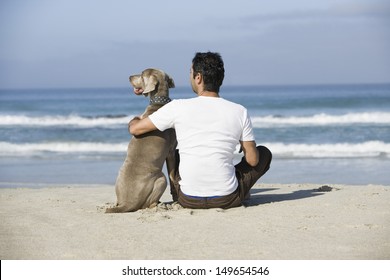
[(234, 104), (220, 102), (182, 100)]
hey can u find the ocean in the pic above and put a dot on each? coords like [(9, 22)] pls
[(329, 134)]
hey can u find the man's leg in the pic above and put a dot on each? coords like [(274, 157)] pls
[(247, 175)]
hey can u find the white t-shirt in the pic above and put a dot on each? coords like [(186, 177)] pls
[(208, 130)]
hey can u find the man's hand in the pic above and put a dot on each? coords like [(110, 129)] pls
[(132, 122), (138, 126)]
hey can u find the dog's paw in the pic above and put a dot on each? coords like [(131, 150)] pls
[(169, 206), (162, 206), (174, 206)]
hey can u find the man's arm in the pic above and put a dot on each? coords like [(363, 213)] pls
[(250, 152), (139, 126)]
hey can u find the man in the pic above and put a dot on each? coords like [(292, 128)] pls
[(209, 129)]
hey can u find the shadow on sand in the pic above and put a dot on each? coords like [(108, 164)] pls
[(269, 198)]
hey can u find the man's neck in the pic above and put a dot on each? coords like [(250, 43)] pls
[(208, 93)]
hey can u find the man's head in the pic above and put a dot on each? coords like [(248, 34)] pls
[(210, 66)]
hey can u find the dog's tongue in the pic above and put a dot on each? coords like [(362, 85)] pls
[(138, 91)]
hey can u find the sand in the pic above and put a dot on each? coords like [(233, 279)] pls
[(280, 222)]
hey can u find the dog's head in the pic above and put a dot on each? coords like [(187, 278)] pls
[(152, 82)]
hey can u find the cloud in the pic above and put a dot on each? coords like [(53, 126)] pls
[(341, 11), (99, 43), (369, 10)]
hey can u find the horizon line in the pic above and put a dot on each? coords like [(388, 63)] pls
[(223, 86)]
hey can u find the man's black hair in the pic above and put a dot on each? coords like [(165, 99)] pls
[(210, 66)]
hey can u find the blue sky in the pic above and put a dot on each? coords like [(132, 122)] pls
[(99, 43)]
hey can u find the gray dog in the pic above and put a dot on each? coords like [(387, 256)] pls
[(141, 182)]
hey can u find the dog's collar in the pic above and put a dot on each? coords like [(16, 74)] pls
[(159, 100)]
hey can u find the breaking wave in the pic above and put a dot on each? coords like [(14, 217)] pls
[(70, 120), (381, 118), (29, 149), (367, 149)]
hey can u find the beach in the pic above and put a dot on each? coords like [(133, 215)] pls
[(279, 222)]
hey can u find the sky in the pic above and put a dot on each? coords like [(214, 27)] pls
[(99, 43)]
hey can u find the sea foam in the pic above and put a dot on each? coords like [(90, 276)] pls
[(70, 120), (366, 149), (381, 118), (282, 150)]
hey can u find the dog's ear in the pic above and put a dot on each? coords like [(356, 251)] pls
[(150, 83), (171, 83)]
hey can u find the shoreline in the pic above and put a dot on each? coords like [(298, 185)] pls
[(353, 171), (34, 186), (280, 222)]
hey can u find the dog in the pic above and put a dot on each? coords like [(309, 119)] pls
[(140, 182)]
